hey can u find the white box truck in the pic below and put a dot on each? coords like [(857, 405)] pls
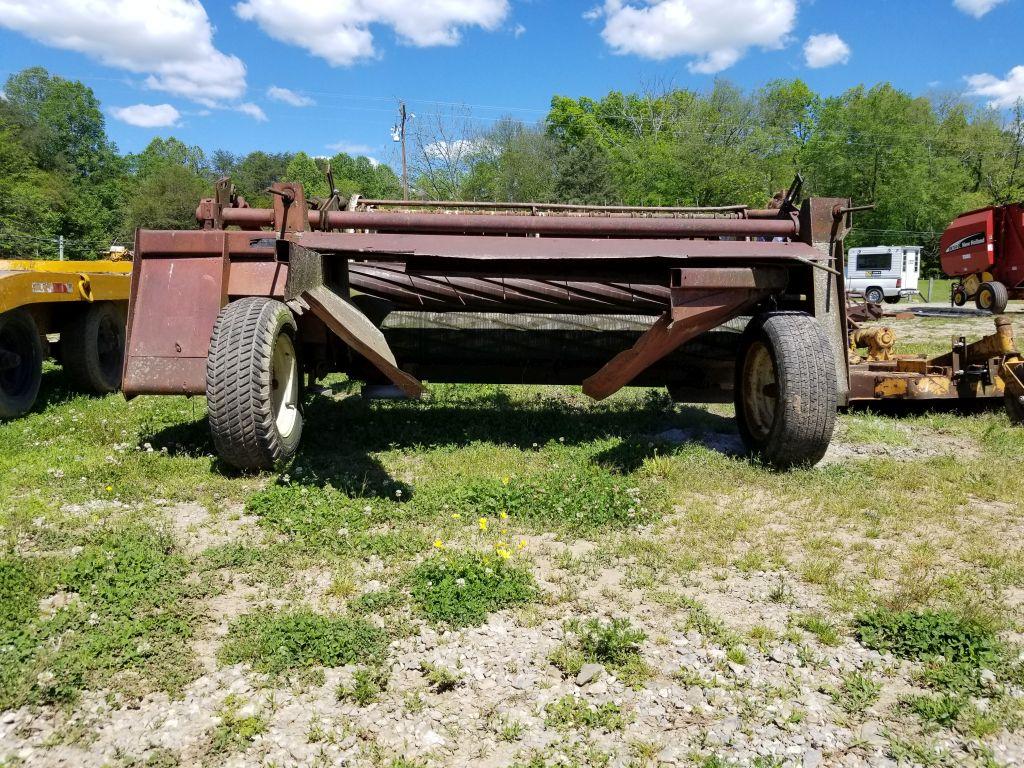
[(883, 273)]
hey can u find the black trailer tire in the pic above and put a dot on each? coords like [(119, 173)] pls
[(992, 297), (21, 363), (958, 296), (92, 348), (874, 295), (786, 392), (893, 299), (1014, 409), (253, 384)]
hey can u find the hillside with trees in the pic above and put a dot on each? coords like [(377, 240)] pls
[(920, 159)]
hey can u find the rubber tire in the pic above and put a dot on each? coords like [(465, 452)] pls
[(804, 368), (893, 299), (80, 348), (18, 397), (998, 294), (874, 295), (239, 387), (958, 297)]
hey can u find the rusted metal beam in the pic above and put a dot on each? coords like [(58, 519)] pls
[(701, 300), (305, 289), (415, 247), (506, 224)]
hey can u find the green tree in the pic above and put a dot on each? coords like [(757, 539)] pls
[(168, 183), (304, 169), (69, 132)]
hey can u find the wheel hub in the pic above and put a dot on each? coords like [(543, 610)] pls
[(285, 386), (760, 390)]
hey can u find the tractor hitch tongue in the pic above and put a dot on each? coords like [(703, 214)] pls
[(718, 304)]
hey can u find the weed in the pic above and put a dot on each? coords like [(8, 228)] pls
[(367, 685), (926, 635), (700, 619), (857, 693), (613, 643), (567, 658), (943, 709), (780, 592), (279, 642), (914, 752), (235, 732), (573, 712), (461, 589), (820, 627), (736, 655), (413, 702), (509, 730), (440, 679)]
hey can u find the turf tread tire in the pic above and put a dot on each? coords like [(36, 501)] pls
[(238, 384), (80, 354), (13, 405), (1000, 297), (805, 373)]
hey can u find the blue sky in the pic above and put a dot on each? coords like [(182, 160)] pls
[(202, 71)]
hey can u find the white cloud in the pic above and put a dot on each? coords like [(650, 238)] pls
[(1001, 93), (351, 148), (170, 41), (289, 97), (825, 50), (253, 111), (340, 31), (453, 150), (147, 115), (976, 8), (717, 33), (518, 31)]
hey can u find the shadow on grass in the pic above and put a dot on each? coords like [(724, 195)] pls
[(56, 390), (340, 438)]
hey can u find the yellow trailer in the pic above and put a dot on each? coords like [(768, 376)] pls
[(83, 303)]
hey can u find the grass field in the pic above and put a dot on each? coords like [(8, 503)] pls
[(509, 576)]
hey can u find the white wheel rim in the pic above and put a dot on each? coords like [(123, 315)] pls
[(760, 391), (284, 386)]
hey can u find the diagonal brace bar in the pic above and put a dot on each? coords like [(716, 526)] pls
[(305, 289), (701, 300)]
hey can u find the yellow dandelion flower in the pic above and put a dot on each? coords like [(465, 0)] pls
[(483, 523), (522, 544), (110, 488), (438, 544), (506, 480), (503, 515), (504, 554), (456, 516)]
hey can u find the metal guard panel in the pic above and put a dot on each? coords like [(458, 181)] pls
[(398, 247)]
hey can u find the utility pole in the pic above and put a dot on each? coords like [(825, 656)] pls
[(399, 135)]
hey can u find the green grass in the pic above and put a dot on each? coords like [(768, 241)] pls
[(615, 644), (942, 710), (128, 609), (377, 483), (462, 588), (368, 683), (857, 693), (280, 642), (825, 630), (572, 712)]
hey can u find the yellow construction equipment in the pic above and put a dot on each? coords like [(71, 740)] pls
[(72, 310)]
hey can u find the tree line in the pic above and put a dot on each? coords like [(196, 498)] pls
[(920, 159)]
